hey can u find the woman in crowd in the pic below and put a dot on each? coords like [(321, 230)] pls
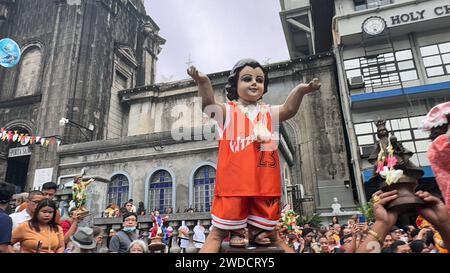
[(137, 246), (41, 233)]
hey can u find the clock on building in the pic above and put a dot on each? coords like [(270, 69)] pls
[(374, 25)]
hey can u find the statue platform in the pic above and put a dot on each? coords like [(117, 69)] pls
[(225, 248)]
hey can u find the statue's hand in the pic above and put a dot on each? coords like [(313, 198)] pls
[(315, 84)]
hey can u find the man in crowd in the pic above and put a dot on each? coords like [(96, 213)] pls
[(49, 191), (400, 247), (121, 241), (6, 193), (82, 241), (34, 197)]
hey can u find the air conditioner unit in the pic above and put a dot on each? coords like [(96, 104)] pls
[(356, 82), (365, 151)]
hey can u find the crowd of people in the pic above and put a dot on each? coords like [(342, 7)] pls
[(355, 235), (35, 225)]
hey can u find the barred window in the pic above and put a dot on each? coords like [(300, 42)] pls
[(204, 181), (118, 190), (407, 132), (382, 70), (436, 59), (160, 191)]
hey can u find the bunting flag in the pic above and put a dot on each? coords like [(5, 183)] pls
[(25, 139)]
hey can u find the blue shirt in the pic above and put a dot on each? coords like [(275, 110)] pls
[(5, 228)]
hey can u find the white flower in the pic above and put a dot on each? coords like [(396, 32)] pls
[(391, 175), (262, 134)]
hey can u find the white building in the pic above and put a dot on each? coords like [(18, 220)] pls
[(393, 60)]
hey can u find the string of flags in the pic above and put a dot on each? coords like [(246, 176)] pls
[(25, 139)]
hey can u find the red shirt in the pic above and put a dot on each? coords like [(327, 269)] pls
[(243, 169), (65, 226)]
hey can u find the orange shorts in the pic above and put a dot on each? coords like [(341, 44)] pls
[(235, 212)]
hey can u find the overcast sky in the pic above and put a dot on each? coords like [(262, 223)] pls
[(215, 34)]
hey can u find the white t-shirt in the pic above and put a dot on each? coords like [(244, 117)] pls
[(19, 217)]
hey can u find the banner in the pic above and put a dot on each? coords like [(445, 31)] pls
[(25, 139)]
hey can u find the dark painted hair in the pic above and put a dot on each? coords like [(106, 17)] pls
[(34, 221), (231, 86)]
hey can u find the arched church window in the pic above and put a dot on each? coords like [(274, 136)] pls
[(160, 191), (28, 82), (118, 190), (204, 181)]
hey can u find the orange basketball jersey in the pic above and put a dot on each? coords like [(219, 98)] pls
[(243, 169)]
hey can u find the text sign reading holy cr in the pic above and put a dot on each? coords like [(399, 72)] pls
[(19, 151), (419, 15)]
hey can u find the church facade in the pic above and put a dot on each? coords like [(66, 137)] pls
[(76, 55), (94, 64)]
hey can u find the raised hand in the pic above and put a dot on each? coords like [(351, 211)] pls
[(388, 218), (196, 75), (434, 211)]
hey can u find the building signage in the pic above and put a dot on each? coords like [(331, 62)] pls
[(42, 176), (419, 15), (19, 151)]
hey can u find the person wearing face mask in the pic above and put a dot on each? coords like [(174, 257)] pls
[(121, 241)]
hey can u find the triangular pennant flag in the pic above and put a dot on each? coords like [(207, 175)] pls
[(4, 135), (47, 142), (25, 140), (42, 141), (52, 141), (15, 137), (38, 139), (10, 135), (58, 142), (20, 138), (32, 140)]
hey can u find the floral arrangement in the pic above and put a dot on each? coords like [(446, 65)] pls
[(260, 131), (386, 162)]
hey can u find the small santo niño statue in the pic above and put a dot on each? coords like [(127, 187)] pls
[(393, 170), (79, 194), (158, 233)]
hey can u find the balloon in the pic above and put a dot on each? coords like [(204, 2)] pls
[(9, 53)]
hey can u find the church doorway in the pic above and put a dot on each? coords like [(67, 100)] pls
[(18, 159)]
